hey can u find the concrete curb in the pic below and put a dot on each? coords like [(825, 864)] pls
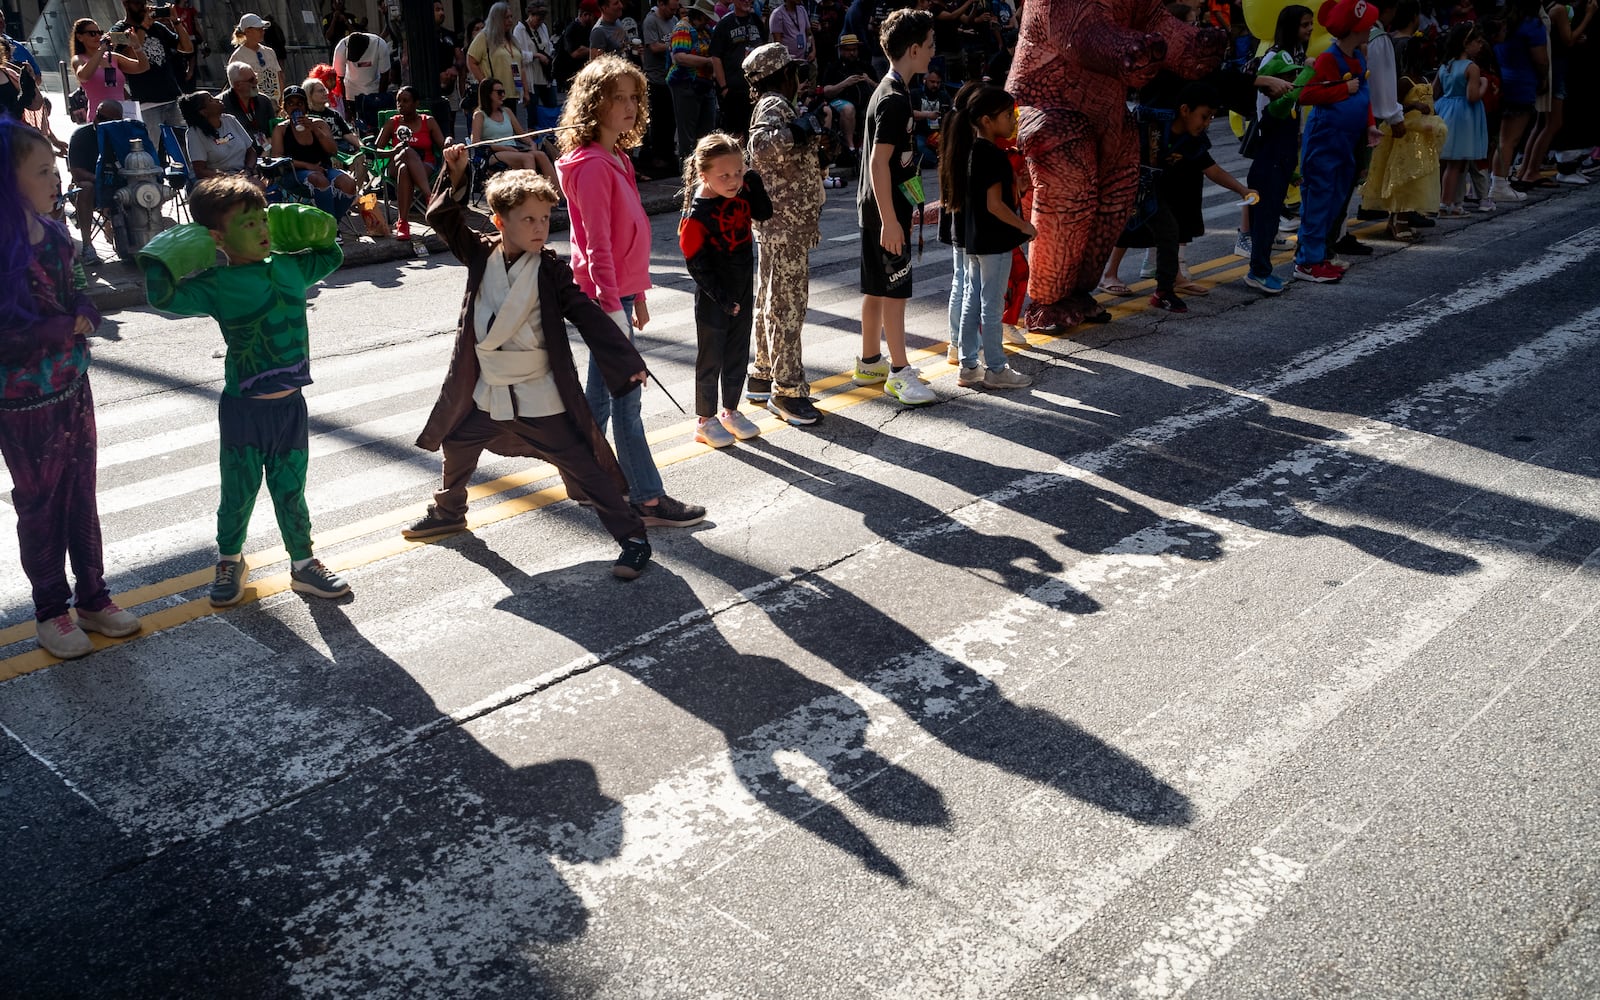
[(117, 285)]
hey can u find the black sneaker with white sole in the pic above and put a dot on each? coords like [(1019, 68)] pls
[(635, 556), (670, 513), (431, 525), (758, 390), (797, 410), (318, 580)]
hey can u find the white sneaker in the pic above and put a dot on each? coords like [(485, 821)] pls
[(109, 621), (62, 638), (907, 386), (1289, 225), (872, 374), (1577, 180), (969, 378), (1486, 205), (1242, 246), (1005, 378), (739, 425), (1500, 189), (952, 354), (1015, 335)]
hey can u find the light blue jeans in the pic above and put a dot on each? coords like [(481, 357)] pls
[(983, 303), (958, 285), (633, 451)]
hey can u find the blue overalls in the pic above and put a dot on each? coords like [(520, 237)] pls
[(1333, 135)]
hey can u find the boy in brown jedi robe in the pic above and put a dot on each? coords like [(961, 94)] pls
[(512, 387)]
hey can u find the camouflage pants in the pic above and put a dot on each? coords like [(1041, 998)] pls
[(782, 290)]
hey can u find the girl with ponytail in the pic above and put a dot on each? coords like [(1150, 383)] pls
[(979, 191)]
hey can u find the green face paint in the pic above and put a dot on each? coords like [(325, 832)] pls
[(246, 237)]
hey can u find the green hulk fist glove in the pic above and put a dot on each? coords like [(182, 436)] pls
[(180, 251), (294, 228)]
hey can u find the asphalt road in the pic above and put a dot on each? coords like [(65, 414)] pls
[(1251, 653)]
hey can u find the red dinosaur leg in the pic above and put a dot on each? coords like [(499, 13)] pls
[(1061, 150)]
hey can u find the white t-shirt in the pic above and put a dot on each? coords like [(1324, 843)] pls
[(361, 77), (227, 152), (269, 75)]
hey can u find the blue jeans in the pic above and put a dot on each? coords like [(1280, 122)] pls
[(982, 305), (1274, 164), (633, 451), (958, 285)]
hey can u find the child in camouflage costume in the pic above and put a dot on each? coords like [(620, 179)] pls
[(259, 300), (782, 150)]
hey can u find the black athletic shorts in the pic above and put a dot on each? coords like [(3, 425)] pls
[(882, 273)]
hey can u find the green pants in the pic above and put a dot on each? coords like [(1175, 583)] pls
[(263, 437)]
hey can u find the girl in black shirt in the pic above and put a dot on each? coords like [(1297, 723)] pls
[(976, 180)]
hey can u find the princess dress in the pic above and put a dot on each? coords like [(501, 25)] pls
[(1468, 125), (1404, 176)]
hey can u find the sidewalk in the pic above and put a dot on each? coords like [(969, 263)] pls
[(116, 285)]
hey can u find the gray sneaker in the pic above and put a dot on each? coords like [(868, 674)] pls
[(228, 585), (1005, 378), (739, 426), (318, 580), (712, 432), (969, 378)]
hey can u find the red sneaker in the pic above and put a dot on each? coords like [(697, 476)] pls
[(1321, 272)]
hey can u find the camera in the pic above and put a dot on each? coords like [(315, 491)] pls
[(118, 38), (161, 11)]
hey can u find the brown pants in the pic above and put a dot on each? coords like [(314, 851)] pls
[(558, 441)]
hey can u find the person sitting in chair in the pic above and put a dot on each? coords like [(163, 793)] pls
[(83, 158), (417, 158), (309, 142), (216, 142), (494, 121)]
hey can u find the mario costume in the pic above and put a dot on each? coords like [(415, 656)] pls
[(1334, 131)]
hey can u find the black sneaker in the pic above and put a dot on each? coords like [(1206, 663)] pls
[(635, 556), (670, 513), (1419, 221), (758, 390), (1168, 302), (431, 525), (227, 587), (1350, 245), (796, 410)]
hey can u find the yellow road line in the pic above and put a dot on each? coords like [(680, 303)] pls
[(257, 589)]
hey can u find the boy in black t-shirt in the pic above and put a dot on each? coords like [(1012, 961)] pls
[(890, 190)]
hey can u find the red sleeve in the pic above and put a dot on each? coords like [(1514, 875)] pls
[(691, 238), (1327, 85)]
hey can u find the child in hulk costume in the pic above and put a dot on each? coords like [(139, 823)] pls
[(259, 300)]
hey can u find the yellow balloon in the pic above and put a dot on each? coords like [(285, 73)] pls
[(1261, 16)]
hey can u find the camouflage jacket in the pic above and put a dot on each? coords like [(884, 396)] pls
[(791, 173)]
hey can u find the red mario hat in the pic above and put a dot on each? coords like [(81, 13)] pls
[(1341, 17)]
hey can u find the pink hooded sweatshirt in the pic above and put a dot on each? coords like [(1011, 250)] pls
[(610, 231)]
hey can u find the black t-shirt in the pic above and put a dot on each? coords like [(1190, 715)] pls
[(860, 93), (889, 123), (159, 83), (985, 233), (730, 40), (83, 149), (946, 31), (574, 37), (447, 49)]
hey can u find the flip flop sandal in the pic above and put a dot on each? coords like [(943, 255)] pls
[(1193, 288), (1404, 234), (1115, 288)]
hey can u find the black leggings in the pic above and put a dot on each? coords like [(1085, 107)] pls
[(724, 353)]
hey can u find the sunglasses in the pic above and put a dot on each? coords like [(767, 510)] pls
[(91, 31), (497, 90)]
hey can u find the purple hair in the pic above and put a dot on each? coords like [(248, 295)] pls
[(16, 253)]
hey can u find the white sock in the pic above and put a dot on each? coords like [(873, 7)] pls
[(302, 563), (233, 558)]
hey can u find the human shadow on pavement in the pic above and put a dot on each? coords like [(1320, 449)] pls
[(966, 711), (762, 707), (376, 848)]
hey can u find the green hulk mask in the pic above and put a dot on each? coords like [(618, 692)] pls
[(245, 236)]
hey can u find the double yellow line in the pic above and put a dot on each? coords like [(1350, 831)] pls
[(831, 399)]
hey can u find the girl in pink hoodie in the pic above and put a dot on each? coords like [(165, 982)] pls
[(606, 114)]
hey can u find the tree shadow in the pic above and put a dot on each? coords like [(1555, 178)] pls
[(763, 708)]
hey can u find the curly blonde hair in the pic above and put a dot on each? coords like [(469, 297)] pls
[(594, 85)]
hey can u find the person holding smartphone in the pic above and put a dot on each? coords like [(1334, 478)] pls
[(101, 72), (156, 86)]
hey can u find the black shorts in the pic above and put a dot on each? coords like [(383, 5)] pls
[(882, 273)]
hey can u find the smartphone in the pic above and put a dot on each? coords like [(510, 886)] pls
[(119, 38)]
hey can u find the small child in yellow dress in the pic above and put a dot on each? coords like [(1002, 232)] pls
[(1404, 177)]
